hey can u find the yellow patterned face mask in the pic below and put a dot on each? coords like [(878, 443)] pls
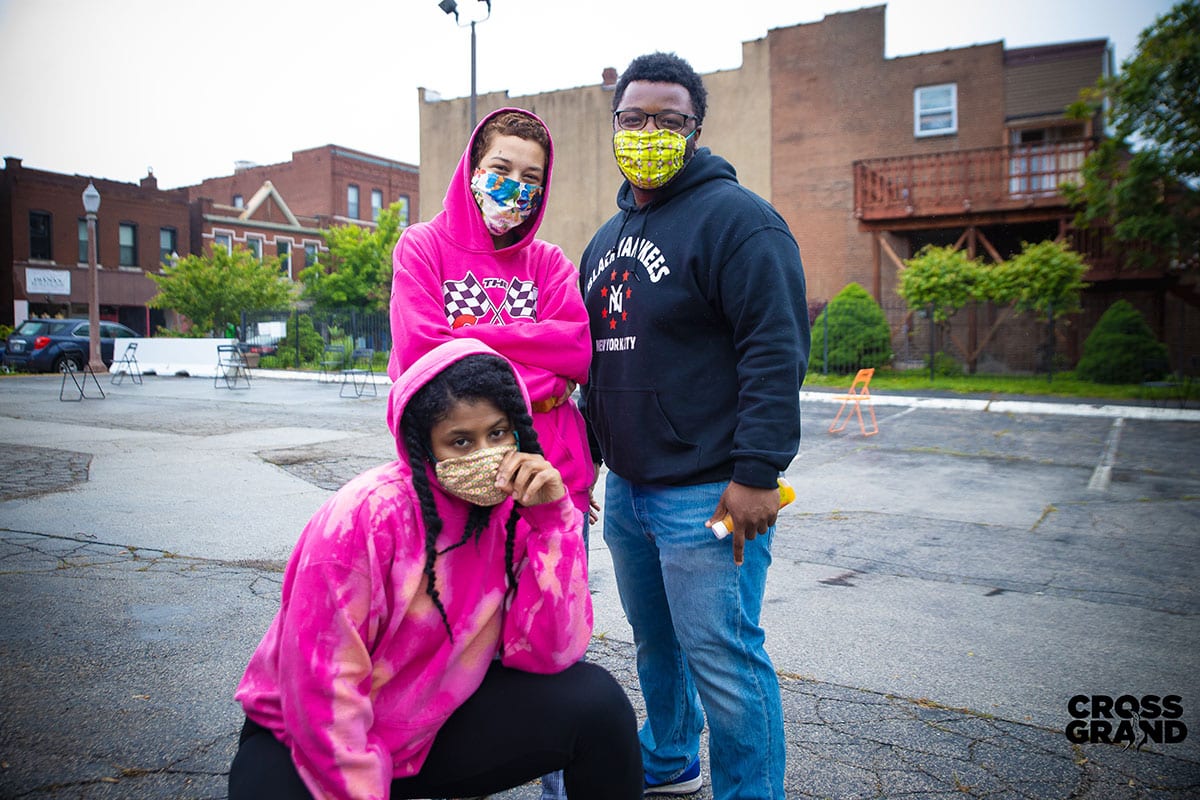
[(649, 159), (473, 477)]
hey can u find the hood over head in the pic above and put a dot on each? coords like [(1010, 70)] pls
[(425, 369), (466, 221)]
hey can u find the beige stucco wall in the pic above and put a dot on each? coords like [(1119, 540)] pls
[(583, 193)]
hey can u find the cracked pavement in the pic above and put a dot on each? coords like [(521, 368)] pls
[(939, 591)]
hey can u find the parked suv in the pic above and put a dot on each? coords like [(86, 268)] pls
[(46, 345), (263, 344)]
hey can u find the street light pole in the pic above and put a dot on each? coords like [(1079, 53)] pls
[(474, 118), (451, 7), (91, 205)]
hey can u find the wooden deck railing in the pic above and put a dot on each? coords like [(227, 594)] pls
[(966, 181)]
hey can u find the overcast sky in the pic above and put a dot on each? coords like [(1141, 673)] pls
[(109, 88)]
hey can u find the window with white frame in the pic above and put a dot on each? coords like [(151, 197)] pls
[(283, 250), (254, 245), (168, 243), (223, 240), (127, 233), (352, 201), (403, 201), (935, 110), (376, 203), (83, 241), (310, 254)]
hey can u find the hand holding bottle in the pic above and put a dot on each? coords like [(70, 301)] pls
[(748, 499)]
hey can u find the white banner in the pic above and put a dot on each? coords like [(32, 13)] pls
[(47, 281)]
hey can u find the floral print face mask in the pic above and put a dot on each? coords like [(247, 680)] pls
[(473, 477), (505, 203)]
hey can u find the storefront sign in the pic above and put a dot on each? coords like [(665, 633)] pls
[(47, 281)]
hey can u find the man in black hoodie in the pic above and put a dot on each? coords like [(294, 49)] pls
[(695, 294)]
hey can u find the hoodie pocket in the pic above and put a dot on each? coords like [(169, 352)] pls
[(637, 439)]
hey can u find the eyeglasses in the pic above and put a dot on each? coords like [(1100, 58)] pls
[(666, 120)]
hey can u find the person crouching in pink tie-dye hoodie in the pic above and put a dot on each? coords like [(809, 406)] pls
[(433, 617)]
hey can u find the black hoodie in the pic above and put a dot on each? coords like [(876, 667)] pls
[(700, 333)]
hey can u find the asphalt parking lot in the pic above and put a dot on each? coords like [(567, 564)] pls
[(939, 593)]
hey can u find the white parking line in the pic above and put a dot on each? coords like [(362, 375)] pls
[(1102, 475), (1019, 407)]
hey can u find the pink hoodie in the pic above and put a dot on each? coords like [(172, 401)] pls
[(356, 673), (449, 282)]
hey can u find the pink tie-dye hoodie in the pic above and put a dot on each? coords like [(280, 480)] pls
[(356, 673), (449, 282)]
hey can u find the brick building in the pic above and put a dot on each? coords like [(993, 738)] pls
[(274, 210), (43, 245), (869, 158), (281, 209), (873, 158)]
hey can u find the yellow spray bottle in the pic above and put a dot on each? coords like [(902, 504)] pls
[(786, 495)]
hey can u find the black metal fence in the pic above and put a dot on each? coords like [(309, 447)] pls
[(979, 339), (297, 339), (983, 338), (996, 340)]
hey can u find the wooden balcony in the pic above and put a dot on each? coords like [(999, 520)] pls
[(984, 180)]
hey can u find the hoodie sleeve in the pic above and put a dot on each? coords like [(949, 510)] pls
[(547, 352), (762, 292), (557, 346), (585, 389), (335, 604), (549, 624)]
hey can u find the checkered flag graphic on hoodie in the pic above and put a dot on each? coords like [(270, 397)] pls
[(521, 300), (465, 298)]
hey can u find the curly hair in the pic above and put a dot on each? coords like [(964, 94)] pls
[(510, 123), (471, 379), (664, 68)]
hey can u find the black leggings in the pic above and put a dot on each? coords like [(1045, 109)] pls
[(516, 727)]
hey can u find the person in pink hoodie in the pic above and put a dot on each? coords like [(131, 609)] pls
[(478, 271), (426, 644)]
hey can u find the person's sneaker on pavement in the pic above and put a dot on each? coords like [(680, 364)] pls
[(688, 782)]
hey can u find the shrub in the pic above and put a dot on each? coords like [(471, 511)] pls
[(312, 346), (944, 365), (859, 336), (347, 343), (1122, 349)]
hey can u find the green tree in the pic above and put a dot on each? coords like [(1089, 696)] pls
[(1045, 277), (1122, 349), (213, 290), (358, 272), (941, 277), (1143, 181), (944, 280), (858, 333)]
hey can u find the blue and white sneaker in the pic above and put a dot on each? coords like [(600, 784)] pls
[(688, 782)]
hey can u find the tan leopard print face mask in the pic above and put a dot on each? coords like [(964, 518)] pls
[(473, 477)]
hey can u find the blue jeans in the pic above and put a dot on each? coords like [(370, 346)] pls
[(695, 617)]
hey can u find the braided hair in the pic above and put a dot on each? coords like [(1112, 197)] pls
[(471, 379)]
